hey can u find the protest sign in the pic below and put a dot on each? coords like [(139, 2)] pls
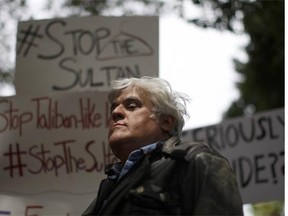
[(20, 206), (54, 148), (84, 53), (255, 148)]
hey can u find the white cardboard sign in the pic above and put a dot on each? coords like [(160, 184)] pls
[(84, 53), (54, 148), (255, 148)]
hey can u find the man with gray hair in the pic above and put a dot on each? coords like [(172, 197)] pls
[(157, 173)]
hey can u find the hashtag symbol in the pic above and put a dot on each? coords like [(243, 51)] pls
[(18, 165), (27, 41)]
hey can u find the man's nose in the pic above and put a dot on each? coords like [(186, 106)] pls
[(118, 113)]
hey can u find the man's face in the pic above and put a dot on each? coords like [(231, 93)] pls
[(132, 125)]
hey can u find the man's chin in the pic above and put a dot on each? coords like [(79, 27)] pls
[(116, 138), (120, 147), (117, 142)]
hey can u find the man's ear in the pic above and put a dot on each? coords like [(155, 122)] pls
[(167, 123)]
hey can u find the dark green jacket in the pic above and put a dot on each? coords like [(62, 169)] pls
[(177, 179)]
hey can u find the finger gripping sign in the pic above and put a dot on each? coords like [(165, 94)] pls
[(84, 53)]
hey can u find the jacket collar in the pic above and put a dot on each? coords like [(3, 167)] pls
[(170, 144), (167, 148), (125, 184)]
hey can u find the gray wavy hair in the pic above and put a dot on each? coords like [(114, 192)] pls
[(166, 101)]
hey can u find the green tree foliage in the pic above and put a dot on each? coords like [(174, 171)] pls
[(10, 13), (274, 208), (262, 85), (124, 8)]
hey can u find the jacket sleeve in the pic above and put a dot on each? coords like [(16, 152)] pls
[(214, 189), (103, 192)]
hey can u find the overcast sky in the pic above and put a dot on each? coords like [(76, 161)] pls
[(199, 63)]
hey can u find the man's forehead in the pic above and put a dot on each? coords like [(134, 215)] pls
[(128, 95), (132, 93)]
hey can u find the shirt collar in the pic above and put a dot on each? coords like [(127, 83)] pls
[(114, 170)]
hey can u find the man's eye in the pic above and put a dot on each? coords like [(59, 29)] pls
[(132, 106)]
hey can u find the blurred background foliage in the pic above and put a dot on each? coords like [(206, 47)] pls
[(262, 76)]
